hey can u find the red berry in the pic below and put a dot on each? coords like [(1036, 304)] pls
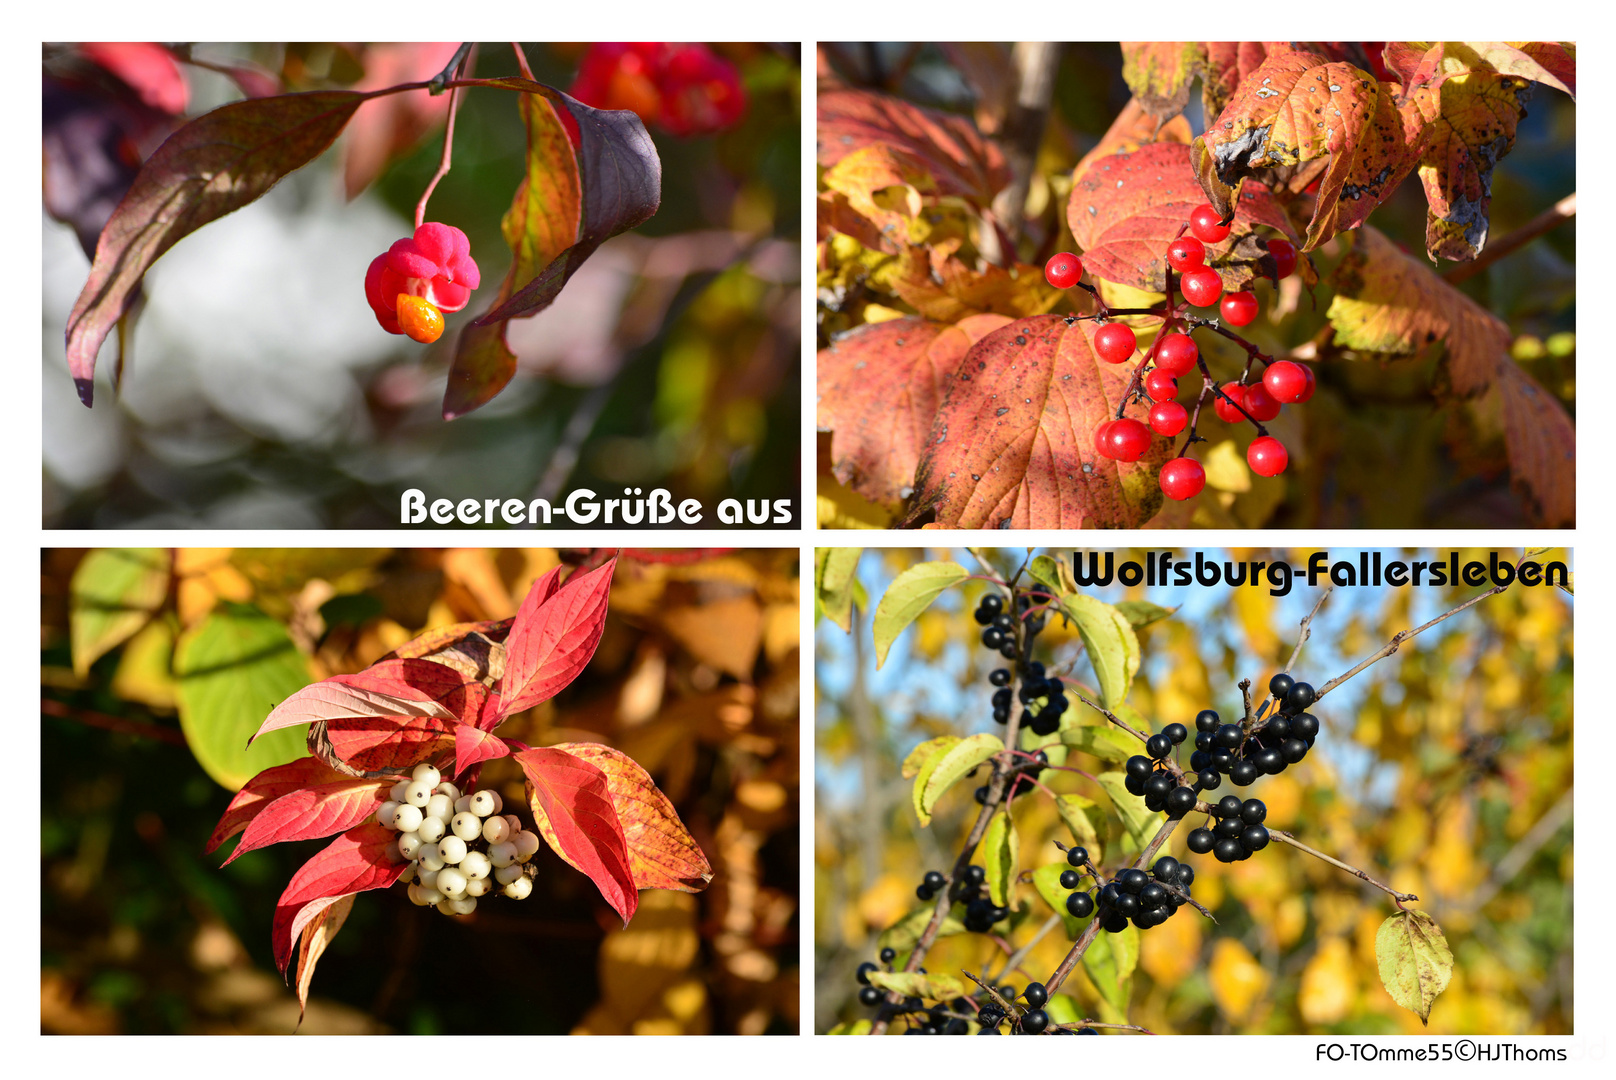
[(1182, 478), (1160, 385), (1063, 270), (1186, 253), (1284, 253), (1101, 432), (1311, 383), (1260, 403), (1266, 456), (1126, 440), (1207, 225), (1114, 342), (1177, 354), (1239, 308), (1226, 412), (1202, 286), (1286, 381), (1168, 418)]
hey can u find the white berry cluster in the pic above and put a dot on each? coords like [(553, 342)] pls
[(458, 846)]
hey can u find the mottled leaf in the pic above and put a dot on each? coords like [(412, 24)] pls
[(354, 862), (1110, 961), (910, 593), (573, 808), (1083, 818), (317, 934), (904, 934), (945, 769), (217, 163), (953, 152), (1013, 442), (232, 669), (386, 689), (387, 745), (662, 854), (554, 636), (920, 984), (1001, 857), (114, 592), (882, 184), (1141, 613), (834, 572), (1141, 824), (1160, 73), (944, 289), (1125, 210), (1101, 740), (917, 759), (1415, 962)]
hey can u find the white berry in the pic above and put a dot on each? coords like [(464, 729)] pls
[(451, 882), (384, 814), (496, 830), (478, 886), (408, 875), (507, 874), (527, 845), (462, 805), (427, 773), (475, 865), (467, 826), (397, 793), (431, 829), (407, 818), (451, 849), (518, 889), (429, 859), (425, 896), (464, 905), (514, 822), (440, 806), (409, 845), (417, 793), (502, 854), (448, 789), (483, 803)]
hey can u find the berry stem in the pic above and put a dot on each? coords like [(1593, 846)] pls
[(462, 59), (1286, 838)]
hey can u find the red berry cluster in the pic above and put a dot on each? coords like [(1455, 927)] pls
[(1175, 354)]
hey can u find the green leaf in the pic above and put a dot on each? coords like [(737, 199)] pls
[(904, 934), (925, 752), (1141, 613), (1000, 857), (857, 1027), (115, 591), (1415, 962), (233, 668), (1140, 823), (910, 593), (1112, 648), (1046, 571), (834, 575), (923, 767), (1102, 740), (1062, 1009), (1046, 879), (915, 984), (1110, 961), (941, 772), (1083, 818)]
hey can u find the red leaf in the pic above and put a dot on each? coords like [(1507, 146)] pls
[(354, 862), (391, 688), (573, 807), (372, 744), (554, 636), (217, 163), (1013, 443), (473, 745), (1125, 210), (264, 789), (879, 388), (661, 851), (314, 811), (317, 934), (951, 149)]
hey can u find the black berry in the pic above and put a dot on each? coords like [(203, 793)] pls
[(1138, 765), (933, 880), (1243, 773), (1254, 838), (1080, 905), (1227, 850), (1253, 812), (1230, 806), (1280, 685), (1300, 696), (999, 676), (1158, 746), (1034, 1022), (1200, 841), (1069, 879), (1206, 720), (1228, 736), (975, 875), (1180, 801), (1165, 869), (1077, 856), (1176, 733), (888, 955), (864, 970), (1305, 726), (1035, 994), (870, 997)]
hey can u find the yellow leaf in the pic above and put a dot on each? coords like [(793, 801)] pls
[(1238, 981), (1329, 984), (1226, 468), (1172, 950)]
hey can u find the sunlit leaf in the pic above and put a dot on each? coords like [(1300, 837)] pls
[(1415, 962), (942, 771), (1109, 641), (1110, 961), (835, 570), (910, 593), (554, 636), (1001, 854), (916, 984), (354, 862), (114, 592), (572, 806), (905, 933)]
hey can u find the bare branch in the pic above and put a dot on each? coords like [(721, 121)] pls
[(1286, 838)]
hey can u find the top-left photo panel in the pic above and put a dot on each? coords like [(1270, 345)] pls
[(451, 285)]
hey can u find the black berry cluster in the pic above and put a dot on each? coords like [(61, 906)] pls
[(980, 910), (1146, 900), (1042, 699), (1162, 786), (1239, 833), (1276, 742)]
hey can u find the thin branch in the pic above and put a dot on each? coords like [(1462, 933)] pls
[(1286, 838), (1518, 856), (441, 79), (108, 722), (1306, 630), (1015, 958), (1111, 716), (1102, 1024), (462, 57), (1562, 211), (1404, 635)]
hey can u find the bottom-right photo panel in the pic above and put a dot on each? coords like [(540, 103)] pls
[(1193, 791)]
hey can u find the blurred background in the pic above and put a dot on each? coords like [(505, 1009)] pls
[(260, 393), (1381, 444), (1444, 770), (696, 678)]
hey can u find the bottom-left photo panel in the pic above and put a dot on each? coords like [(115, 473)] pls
[(327, 791)]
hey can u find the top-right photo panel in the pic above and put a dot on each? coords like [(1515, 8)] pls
[(1182, 284)]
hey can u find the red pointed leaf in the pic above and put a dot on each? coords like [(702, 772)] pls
[(1013, 443), (317, 934), (1125, 210), (215, 164), (553, 637), (264, 789), (951, 149), (473, 745), (364, 694), (661, 851), (573, 807), (314, 811), (411, 680), (381, 743), (879, 388), (354, 862)]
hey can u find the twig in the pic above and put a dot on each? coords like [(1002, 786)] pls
[(1564, 210), (461, 57), (1512, 863), (1111, 716), (1306, 630), (441, 79), (1286, 838), (1014, 960), (1100, 1023), (108, 722), (993, 992)]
